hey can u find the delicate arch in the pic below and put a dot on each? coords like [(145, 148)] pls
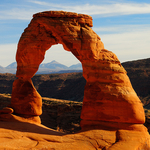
[(108, 94)]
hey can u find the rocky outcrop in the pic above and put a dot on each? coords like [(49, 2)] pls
[(25, 136), (21, 133), (72, 30), (108, 94), (110, 103)]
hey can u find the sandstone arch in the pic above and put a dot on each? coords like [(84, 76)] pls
[(108, 94)]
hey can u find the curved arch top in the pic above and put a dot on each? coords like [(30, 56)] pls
[(72, 30)]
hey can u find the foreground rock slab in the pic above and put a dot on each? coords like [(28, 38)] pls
[(23, 135)]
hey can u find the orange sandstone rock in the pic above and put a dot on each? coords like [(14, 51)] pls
[(6, 110), (109, 103), (46, 29), (108, 95), (24, 135), (25, 99)]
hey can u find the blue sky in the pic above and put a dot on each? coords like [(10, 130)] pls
[(123, 25)]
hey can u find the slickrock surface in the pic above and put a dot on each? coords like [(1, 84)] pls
[(112, 114), (16, 135), (20, 133)]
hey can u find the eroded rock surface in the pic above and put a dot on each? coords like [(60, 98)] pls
[(25, 99), (108, 95), (16, 135), (110, 104)]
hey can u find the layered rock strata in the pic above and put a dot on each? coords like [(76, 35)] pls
[(109, 103), (108, 94)]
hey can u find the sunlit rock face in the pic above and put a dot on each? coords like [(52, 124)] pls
[(72, 30), (109, 99), (108, 94)]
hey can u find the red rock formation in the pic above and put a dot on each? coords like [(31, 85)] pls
[(25, 98), (108, 95), (22, 133), (109, 99), (72, 30)]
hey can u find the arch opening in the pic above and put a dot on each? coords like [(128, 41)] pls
[(57, 53)]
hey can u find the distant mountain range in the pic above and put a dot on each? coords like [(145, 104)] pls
[(45, 68), (70, 86)]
